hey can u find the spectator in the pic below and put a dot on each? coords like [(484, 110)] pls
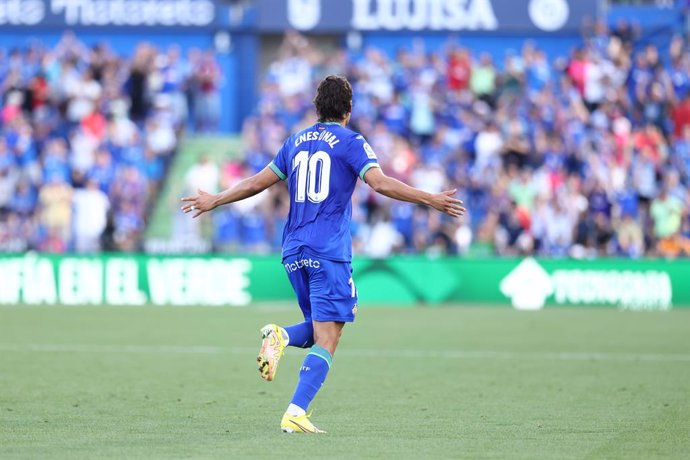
[(137, 83), (483, 79), (488, 146), (174, 77), (207, 100), (546, 152), (559, 226), (383, 238), (73, 118), (459, 70), (681, 116), (203, 175), (90, 215), (55, 204), (629, 237), (516, 148), (667, 213), (24, 200)]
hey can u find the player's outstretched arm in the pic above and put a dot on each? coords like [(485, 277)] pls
[(393, 188), (204, 202)]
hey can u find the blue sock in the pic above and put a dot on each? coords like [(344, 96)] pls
[(311, 376), (301, 335)]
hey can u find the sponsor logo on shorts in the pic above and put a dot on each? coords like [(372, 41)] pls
[(299, 264), (354, 310)]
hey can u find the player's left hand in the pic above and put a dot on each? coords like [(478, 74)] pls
[(201, 203), (448, 204)]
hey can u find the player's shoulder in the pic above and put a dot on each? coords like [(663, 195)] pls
[(356, 143), (349, 135)]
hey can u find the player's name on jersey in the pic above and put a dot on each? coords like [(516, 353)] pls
[(326, 136)]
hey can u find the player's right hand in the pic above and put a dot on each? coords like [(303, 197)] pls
[(201, 203), (447, 203)]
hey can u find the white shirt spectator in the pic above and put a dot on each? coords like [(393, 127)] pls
[(204, 175), (123, 131), (161, 137), (378, 83), (250, 205), (83, 149), (487, 145), (293, 75), (595, 90), (559, 227), (83, 94), (384, 238), (90, 217), (428, 178), (463, 237)]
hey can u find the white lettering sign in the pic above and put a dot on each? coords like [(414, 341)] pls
[(134, 12), (304, 14), (199, 281), (118, 281), (423, 14), (11, 276), (81, 281), (648, 290), (529, 286), (38, 283), (21, 12), (549, 15), (122, 283)]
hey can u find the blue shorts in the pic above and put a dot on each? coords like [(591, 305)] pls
[(325, 290)]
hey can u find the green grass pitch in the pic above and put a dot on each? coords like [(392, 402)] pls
[(153, 382)]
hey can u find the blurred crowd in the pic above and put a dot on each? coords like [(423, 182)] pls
[(583, 155), (86, 136)]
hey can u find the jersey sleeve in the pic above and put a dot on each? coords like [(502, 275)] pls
[(279, 163), (361, 156)]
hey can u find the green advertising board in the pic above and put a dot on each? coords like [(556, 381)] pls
[(526, 284)]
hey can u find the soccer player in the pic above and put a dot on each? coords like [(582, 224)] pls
[(321, 165)]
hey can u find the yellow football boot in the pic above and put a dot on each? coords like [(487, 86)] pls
[(298, 424), (272, 349)]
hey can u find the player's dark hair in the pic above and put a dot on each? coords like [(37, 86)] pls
[(333, 99)]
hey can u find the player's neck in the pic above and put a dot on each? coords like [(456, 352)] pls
[(342, 123)]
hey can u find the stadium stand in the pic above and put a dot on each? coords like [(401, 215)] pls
[(583, 155), (86, 137)]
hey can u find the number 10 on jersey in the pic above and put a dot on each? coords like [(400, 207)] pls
[(313, 176)]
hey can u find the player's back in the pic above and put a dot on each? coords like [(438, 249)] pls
[(321, 165)]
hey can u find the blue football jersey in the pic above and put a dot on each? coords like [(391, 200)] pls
[(321, 165)]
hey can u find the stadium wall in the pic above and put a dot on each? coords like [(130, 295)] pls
[(527, 284)]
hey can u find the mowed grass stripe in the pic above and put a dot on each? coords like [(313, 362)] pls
[(418, 383), (358, 353)]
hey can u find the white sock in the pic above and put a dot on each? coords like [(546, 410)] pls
[(295, 411), (286, 336)]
